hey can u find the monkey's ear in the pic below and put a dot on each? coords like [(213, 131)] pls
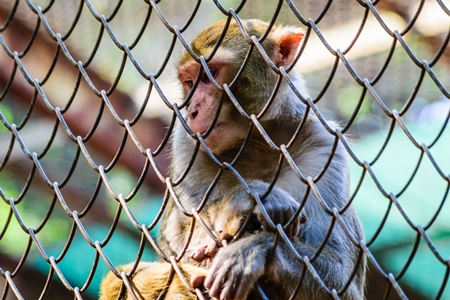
[(288, 41)]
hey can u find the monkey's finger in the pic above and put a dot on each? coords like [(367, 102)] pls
[(294, 228), (197, 280), (199, 254), (303, 217), (226, 236), (235, 288), (212, 250), (216, 278)]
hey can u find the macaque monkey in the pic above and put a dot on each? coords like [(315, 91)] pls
[(236, 268), (296, 167), (226, 218)]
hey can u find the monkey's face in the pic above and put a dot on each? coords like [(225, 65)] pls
[(236, 63), (209, 111)]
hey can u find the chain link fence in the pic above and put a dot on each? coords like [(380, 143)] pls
[(84, 131)]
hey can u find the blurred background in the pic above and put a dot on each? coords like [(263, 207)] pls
[(56, 57)]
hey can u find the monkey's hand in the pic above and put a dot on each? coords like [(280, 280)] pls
[(210, 250), (237, 267), (280, 206)]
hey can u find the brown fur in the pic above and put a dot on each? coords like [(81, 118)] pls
[(149, 281)]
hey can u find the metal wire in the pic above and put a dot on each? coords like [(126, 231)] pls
[(84, 126)]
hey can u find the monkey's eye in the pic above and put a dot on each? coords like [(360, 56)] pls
[(189, 83), (205, 77), (213, 72)]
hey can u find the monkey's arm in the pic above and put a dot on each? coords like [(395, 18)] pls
[(236, 268), (279, 205)]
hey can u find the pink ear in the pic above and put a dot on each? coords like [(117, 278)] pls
[(288, 48)]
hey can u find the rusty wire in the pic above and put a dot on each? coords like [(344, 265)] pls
[(45, 28)]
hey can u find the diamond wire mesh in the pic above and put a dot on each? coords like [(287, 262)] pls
[(108, 133)]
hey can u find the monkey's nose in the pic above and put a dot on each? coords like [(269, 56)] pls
[(192, 114)]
